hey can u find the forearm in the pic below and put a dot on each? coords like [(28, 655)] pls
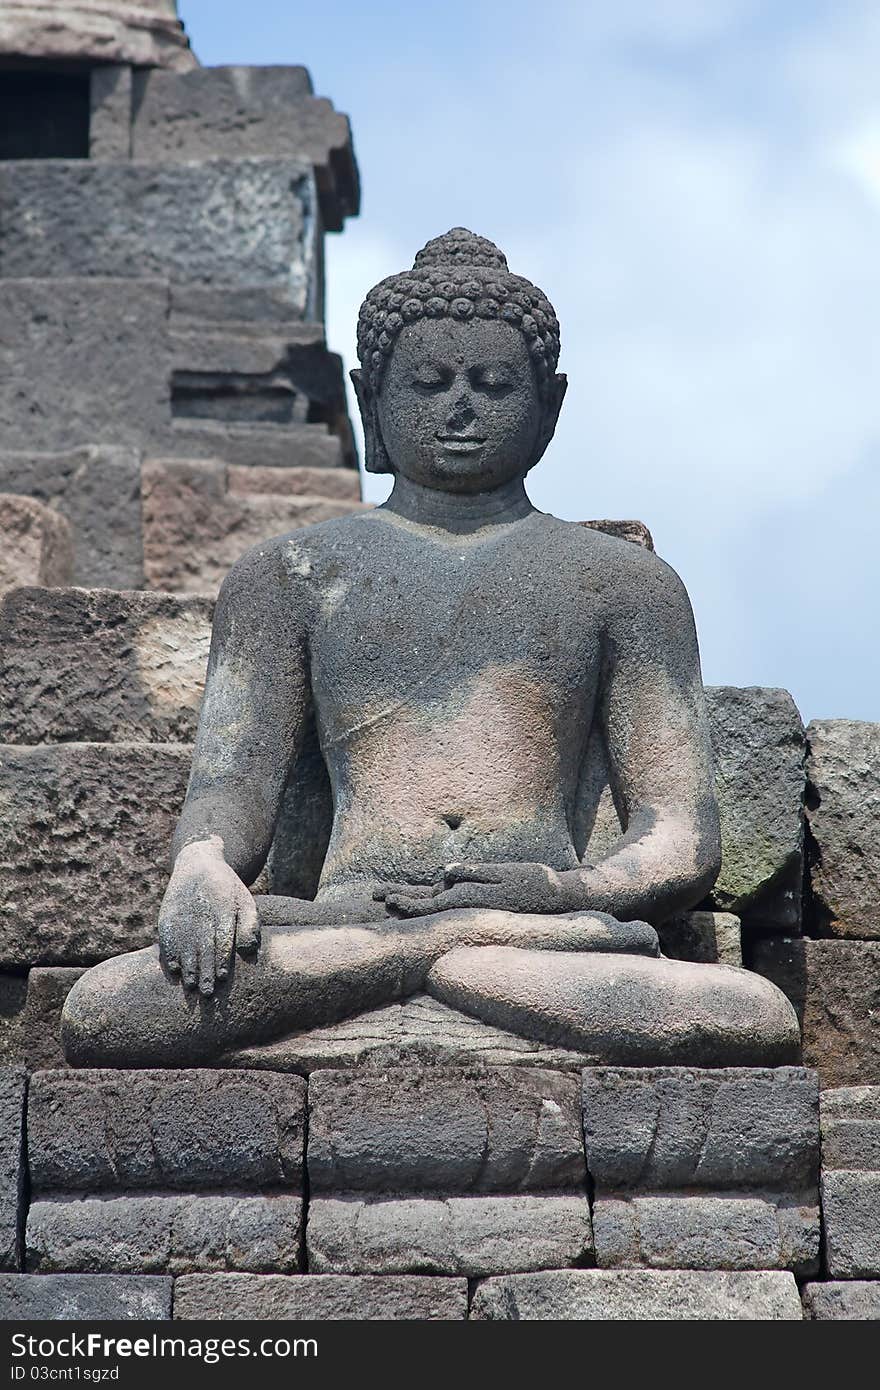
[(650, 874), (236, 818)]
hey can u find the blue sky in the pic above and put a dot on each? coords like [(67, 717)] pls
[(696, 186)]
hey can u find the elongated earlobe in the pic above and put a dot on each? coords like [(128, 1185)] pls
[(375, 455), (550, 417)]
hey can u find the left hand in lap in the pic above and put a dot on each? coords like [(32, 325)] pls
[(509, 887)]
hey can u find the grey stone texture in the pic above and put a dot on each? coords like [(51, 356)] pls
[(472, 1235), (35, 544), (663, 1128), (13, 1085), (419, 1032), (101, 665), (83, 847), (110, 92), (82, 361), (850, 1124), (243, 112), (404, 1130), (116, 1131), (215, 222), (843, 822), (30, 1016), (594, 1295), (708, 937), (318, 1297), (852, 1300), (96, 488), (144, 32), (84, 1297), (835, 988), (851, 1223), (196, 526), (164, 1234), (266, 445), (758, 748), (636, 532), (684, 1230)]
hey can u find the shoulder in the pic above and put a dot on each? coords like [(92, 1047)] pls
[(290, 561)]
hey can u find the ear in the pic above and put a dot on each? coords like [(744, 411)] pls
[(375, 456), (555, 397)]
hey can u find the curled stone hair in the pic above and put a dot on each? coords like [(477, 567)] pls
[(459, 276)]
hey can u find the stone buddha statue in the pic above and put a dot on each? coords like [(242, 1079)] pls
[(460, 653)]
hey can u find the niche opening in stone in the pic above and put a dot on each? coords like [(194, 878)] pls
[(44, 115)]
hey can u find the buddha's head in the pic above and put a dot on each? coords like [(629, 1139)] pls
[(458, 387)]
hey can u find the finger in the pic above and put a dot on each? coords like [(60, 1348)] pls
[(224, 943), (247, 931), (189, 966), (474, 873), (402, 905), (409, 890), (206, 960), (169, 952)]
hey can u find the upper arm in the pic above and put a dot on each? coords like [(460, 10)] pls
[(653, 707)]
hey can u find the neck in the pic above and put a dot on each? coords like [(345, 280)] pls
[(459, 512)]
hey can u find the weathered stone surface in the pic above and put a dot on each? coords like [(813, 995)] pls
[(674, 1127), (850, 1124), (30, 1016), (144, 32), (195, 529), (84, 837), (13, 1083), (419, 1032), (758, 747), (35, 544), (235, 222), (843, 822), (402, 1131), (178, 1234), (708, 937), (101, 665), (340, 484), (474, 1236), (82, 361), (110, 117), (240, 112), (594, 1295), (98, 490), (243, 445), (318, 1297), (634, 531), (112, 1131), (851, 1223), (835, 988), (84, 1297), (853, 1300), (747, 1230)]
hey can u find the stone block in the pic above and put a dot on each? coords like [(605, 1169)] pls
[(98, 490), (680, 1230), (758, 746), (835, 988), (271, 446), (851, 1222), (220, 222), (13, 1085), (84, 1297), (711, 938), (660, 1128), (82, 361), (110, 90), (853, 1300), (164, 1234), (195, 530), (472, 1235), (112, 1131), (35, 544), (101, 665), (419, 1032), (242, 112), (147, 33), (318, 1297), (850, 1123), (444, 1131), (30, 1016), (606, 1295), (636, 532), (843, 824), (85, 832)]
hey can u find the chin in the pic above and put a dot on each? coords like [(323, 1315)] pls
[(464, 475)]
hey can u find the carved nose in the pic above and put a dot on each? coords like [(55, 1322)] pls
[(461, 415)]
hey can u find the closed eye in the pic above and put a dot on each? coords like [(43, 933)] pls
[(491, 384)]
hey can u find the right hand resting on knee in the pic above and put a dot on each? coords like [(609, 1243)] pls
[(207, 913)]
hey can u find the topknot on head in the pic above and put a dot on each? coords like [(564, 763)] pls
[(459, 247)]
